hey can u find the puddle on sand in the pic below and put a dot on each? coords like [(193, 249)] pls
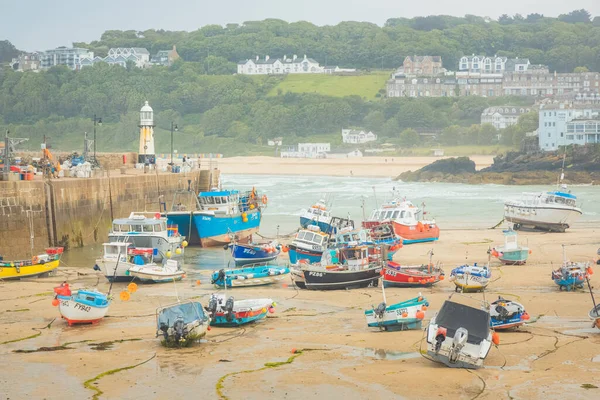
[(382, 354)]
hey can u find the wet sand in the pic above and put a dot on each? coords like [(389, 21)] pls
[(363, 166), (555, 356)]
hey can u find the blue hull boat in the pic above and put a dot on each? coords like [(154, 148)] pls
[(405, 315), (297, 254), (323, 226), (232, 313), (256, 275), (409, 241), (244, 254), (506, 314)]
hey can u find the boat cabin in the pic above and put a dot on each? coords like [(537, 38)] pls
[(355, 258), (311, 237), (396, 210), (383, 232), (318, 210), (228, 201), (124, 252), (510, 240), (139, 224), (349, 237), (561, 198)]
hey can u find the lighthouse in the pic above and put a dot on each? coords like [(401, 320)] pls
[(146, 154)]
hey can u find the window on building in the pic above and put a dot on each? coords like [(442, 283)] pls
[(549, 134), (579, 137), (562, 134)]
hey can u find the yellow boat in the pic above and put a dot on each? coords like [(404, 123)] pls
[(38, 265)]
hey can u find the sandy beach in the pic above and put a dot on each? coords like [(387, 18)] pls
[(555, 356), (363, 166)]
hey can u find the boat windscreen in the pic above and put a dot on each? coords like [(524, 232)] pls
[(454, 315), (189, 311)]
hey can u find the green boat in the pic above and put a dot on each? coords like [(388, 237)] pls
[(511, 253)]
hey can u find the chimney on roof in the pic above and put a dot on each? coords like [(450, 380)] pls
[(257, 58), (267, 58), (284, 57), (294, 59), (305, 56), (174, 48)]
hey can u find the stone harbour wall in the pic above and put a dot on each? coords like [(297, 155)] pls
[(77, 212)]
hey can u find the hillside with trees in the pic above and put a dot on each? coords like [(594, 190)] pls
[(218, 111)]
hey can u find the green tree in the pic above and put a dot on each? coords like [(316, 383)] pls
[(409, 138), (487, 134), (450, 135), (579, 70), (575, 16)]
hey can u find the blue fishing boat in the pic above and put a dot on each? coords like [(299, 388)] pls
[(230, 313), (253, 253), (83, 307), (318, 215), (571, 275), (402, 316), (505, 314), (255, 275), (218, 214), (308, 245)]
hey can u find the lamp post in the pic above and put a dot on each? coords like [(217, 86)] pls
[(173, 128), (97, 120)]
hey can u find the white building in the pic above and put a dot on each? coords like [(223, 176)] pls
[(71, 57), (139, 56), (564, 124), (307, 150), (285, 65), (275, 141), (503, 116), (357, 137), (352, 154), (478, 63)]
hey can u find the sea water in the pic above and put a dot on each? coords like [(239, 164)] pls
[(452, 205)]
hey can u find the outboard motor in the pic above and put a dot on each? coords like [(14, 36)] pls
[(164, 328), (458, 342), (220, 277), (97, 268), (502, 312), (180, 329), (440, 336), (228, 309), (212, 306), (380, 310)]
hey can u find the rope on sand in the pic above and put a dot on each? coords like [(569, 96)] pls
[(278, 236), (497, 225)]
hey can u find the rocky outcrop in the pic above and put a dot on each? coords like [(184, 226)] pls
[(582, 166)]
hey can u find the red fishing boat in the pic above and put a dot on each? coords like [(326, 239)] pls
[(407, 220), (396, 275)]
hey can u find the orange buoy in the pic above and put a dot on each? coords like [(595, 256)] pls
[(294, 351), (285, 285), (404, 314), (124, 296), (411, 279), (132, 287), (198, 282), (441, 277), (525, 317), (420, 315), (265, 199), (271, 310), (424, 308), (208, 328), (55, 302), (529, 251), (590, 271), (496, 338)]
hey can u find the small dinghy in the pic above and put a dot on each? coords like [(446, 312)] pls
[(401, 316), (253, 253), (256, 275), (594, 313), (169, 272), (181, 324), (83, 307), (505, 314), (470, 278), (511, 253), (229, 312), (396, 275), (459, 336)]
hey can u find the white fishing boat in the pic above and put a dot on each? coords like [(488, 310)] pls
[(118, 257), (149, 230), (553, 211), (168, 272), (459, 336), (470, 278), (318, 215), (181, 323), (82, 307), (228, 312)]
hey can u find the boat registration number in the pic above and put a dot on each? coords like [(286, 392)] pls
[(81, 307), (401, 311), (315, 247), (319, 274), (390, 273)]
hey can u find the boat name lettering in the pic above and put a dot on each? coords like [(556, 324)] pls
[(82, 307), (391, 273), (249, 251), (316, 247), (315, 274), (401, 311), (205, 219)]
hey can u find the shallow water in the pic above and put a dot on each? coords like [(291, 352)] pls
[(454, 206)]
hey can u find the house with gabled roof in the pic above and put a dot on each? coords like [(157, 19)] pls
[(277, 66)]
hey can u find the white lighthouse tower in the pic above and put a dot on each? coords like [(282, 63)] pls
[(146, 152)]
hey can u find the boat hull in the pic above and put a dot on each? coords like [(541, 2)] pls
[(252, 276), (75, 312), (548, 218), (249, 254), (323, 225), (215, 230), (185, 224), (513, 257), (401, 316), (297, 253), (107, 267), (149, 277), (410, 277), (27, 271), (471, 356), (417, 234), (319, 279)]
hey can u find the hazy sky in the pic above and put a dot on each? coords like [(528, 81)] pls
[(44, 24)]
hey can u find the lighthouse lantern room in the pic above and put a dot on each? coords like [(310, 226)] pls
[(146, 151)]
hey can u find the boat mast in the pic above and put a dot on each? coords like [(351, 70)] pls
[(562, 170), (375, 195)]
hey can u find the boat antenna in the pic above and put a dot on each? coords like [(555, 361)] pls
[(430, 260), (593, 300), (363, 209), (562, 170), (564, 255), (114, 272), (384, 253), (375, 195)]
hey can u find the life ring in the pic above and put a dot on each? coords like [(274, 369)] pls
[(265, 200), (35, 260)]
